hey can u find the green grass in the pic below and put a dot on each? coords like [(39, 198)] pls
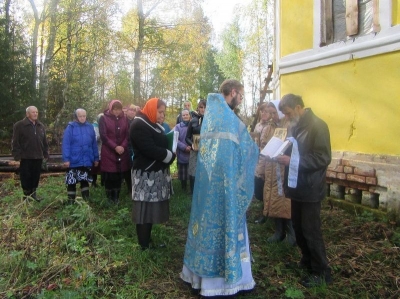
[(89, 250)]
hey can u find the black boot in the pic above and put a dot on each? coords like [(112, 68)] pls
[(183, 185), (290, 235), (34, 196), (85, 194), (85, 190), (279, 234), (71, 192), (109, 194), (115, 196), (143, 232)]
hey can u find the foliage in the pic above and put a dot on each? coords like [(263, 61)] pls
[(15, 91)]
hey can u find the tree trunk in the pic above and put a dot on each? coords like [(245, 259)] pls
[(34, 43), (138, 54), (44, 79)]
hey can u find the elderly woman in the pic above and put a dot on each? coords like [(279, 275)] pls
[(276, 205), (114, 130), (151, 180), (193, 133), (183, 149), (79, 153)]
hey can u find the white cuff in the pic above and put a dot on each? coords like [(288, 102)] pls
[(168, 157)]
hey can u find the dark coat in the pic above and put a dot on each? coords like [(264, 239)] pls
[(114, 132), (79, 145), (149, 145), (29, 141), (312, 135), (194, 128)]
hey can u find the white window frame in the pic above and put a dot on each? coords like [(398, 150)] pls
[(387, 40)]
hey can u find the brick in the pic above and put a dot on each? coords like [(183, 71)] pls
[(337, 168), (331, 174), (346, 162), (371, 181), (364, 171), (356, 178), (348, 169), (341, 176)]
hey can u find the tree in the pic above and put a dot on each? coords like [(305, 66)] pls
[(15, 91)]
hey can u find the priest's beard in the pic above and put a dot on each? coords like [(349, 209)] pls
[(234, 103)]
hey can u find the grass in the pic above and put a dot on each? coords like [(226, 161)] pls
[(89, 250)]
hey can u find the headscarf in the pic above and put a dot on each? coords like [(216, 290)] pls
[(150, 109), (276, 104), (112, 103)]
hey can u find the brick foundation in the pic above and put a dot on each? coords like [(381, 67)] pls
[(371, 180)]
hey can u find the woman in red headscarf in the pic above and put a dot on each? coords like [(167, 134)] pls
[(115, 160), (151, 179)]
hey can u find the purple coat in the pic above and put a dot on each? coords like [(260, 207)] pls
[(114, 131), (182, 156)]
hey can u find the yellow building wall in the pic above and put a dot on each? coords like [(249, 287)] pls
[(292, 26), (396, 12), (359, 100)]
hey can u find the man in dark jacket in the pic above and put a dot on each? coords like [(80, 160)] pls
[(29, 145), (305, 184)]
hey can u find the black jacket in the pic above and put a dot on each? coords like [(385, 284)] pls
[(29, 141), (149, 145), (194, 128), (312, 136)]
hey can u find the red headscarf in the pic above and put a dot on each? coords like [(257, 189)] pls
[(150, 109)]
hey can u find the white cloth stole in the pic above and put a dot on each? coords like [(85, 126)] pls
[(294, 164)]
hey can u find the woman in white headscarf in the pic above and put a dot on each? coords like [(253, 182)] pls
[(276, 205)]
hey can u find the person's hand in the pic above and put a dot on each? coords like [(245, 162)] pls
[(283, 159), (14, 163), (96, 163), (119, 149), (66, 164), (188, 148)]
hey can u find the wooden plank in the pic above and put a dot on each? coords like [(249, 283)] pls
[(375, 18), (351, 17), (326, 29)]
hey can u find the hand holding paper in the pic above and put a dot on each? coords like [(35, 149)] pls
[(275, 147)]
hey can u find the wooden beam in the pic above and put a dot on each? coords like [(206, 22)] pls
[(351, 17), (326, 30), (375, 18)]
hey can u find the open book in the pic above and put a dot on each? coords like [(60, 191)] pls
[(172, 137), (275, 147)]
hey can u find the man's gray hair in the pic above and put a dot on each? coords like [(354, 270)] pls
[(290, 100)]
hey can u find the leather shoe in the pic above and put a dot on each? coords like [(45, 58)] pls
[(317, 280)]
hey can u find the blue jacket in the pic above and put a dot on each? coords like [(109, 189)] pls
[(79, 146)]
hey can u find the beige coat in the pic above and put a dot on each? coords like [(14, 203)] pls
[(275, 205)]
